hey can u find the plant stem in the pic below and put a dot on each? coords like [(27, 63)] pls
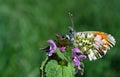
[(42, 66)]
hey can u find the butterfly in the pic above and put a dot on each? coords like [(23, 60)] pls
[(94, 44)]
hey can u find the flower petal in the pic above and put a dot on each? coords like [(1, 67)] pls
[(77, 62), (76, 50), (62, 49), (52, 44), (82, 57), (52, 47)]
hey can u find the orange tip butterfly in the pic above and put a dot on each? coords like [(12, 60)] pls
[(94, 44)]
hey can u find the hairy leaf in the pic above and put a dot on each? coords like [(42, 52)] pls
[(53, 69)]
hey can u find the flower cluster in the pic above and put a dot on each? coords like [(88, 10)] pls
[(76, 53), (92, 45), (77, 58)]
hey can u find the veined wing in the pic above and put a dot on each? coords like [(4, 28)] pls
[(94, 44)]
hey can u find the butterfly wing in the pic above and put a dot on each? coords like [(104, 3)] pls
[(94, 44)]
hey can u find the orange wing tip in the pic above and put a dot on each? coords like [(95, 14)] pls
[(103, 42), (107, 38)]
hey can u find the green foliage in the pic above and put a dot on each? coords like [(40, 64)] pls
[(25, 25), (64, 55), (53, 69)]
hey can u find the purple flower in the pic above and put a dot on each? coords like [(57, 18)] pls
[(76, 62), (74, 51), (51, 49), (62, 49), (82, 56), (77, 58)]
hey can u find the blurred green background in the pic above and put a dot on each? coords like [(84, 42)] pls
[(26, 25)]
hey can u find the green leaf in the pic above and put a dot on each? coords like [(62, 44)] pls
[(68, 71), (66, 55), (53, 69), (61, 55)]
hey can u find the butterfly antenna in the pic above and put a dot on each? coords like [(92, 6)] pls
[(72, 22)]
